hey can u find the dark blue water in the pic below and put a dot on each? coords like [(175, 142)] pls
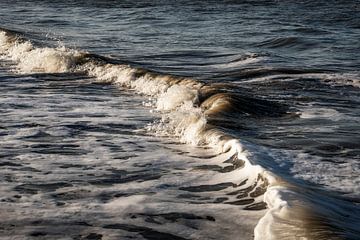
[(290, 70), (184, 36)]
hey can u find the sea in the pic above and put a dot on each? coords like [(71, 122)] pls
[(180, 120)]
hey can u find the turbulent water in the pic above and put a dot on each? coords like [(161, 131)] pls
[(179, 120)]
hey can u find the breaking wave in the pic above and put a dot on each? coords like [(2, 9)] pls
[(206, 114)]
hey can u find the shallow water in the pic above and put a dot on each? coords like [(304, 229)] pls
[(75, 159), (244, 124)]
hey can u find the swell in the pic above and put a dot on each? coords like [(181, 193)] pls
[(200, 113), (263, 72)]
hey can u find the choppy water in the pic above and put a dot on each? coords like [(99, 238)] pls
[(179, 120)]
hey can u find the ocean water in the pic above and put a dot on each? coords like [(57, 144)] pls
[(179, 119)]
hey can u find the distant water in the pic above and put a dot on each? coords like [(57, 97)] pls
[(179, 120)]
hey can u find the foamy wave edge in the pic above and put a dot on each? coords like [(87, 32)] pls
[(177, 99)]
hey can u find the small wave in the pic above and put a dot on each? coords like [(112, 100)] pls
[(281, 42), (196, 112), (310, 30), (253, 73), (325, 77), (240, 61)]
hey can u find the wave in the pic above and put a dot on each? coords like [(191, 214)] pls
[(251, 73), (202, 113), (288, 42), (325, 77)]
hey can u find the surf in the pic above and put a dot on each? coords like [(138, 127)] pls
[(206, 114)]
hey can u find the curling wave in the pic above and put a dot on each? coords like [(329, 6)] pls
[(200, 113)]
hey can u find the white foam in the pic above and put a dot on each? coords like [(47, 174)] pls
[(30, 59), (130, 204), (176, 96), (342, 176), (123, 75), (350, 79), (279, 209), (325, 113), (48, 60), (4, 42)]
